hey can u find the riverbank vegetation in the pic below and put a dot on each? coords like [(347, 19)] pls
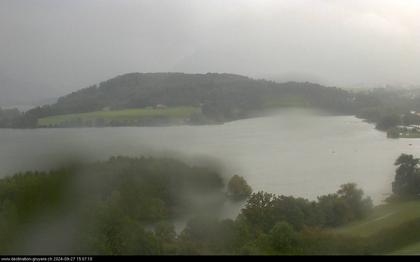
[(131, 205), (128, 206)]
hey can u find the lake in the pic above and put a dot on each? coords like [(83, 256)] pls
[(292, 152)]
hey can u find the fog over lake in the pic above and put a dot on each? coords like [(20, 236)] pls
[(292, 152)]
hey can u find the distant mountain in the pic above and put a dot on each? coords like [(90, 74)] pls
[(221, 97)]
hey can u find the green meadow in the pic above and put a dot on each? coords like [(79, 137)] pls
[(126, 115), (393, 220), (383, 217)]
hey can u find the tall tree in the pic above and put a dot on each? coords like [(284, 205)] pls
[(407, 177)]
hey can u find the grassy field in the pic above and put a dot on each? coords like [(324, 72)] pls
[(413, 249), (119, 115), (387, 217), (382, 217)]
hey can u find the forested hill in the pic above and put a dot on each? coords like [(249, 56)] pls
[(217, 97)]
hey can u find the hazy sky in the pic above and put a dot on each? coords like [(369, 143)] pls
[(50, 47)]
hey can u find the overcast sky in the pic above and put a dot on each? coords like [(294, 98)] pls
[(50, 47)]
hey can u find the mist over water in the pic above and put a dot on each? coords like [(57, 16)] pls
[(218, 127), (293, 152)]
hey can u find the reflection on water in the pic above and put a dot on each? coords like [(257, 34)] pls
[(294, 152)]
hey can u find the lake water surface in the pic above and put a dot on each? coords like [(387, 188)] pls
[(294, 152)]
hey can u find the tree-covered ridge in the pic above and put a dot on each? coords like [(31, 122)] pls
[(214, 98), (220, 97)]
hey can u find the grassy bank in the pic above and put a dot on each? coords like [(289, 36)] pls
[(125, 116), (413, 249), (383, 217), (391, 229)]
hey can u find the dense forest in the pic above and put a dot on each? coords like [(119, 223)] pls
[(130, 206)]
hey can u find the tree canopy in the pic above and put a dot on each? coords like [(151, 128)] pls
[(238, 188), (128, 206), (407, 177)]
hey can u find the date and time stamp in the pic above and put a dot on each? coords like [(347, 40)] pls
[(47, 259)]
